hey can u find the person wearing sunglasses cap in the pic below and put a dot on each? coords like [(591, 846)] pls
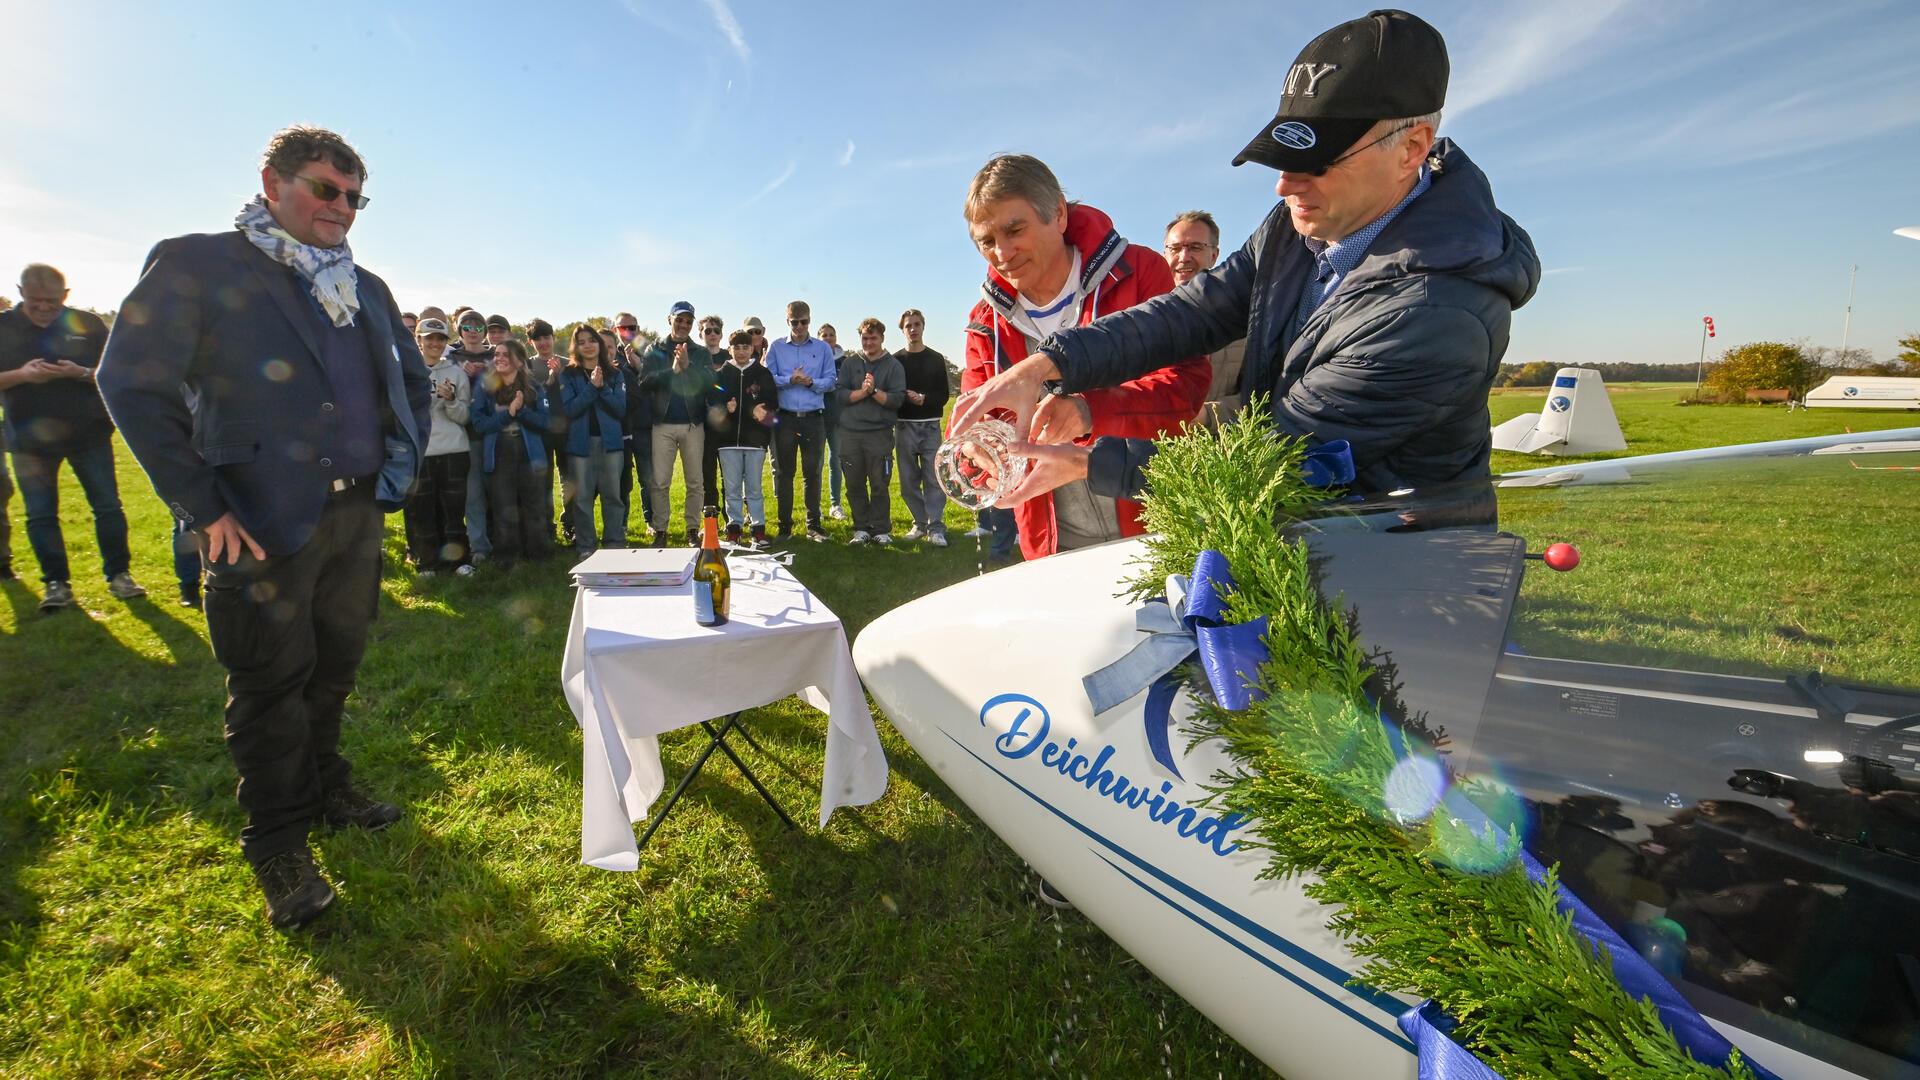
[(1375, 299), (285, 468)]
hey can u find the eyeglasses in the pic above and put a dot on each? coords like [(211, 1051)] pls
[(1322, 170), (1188, 249), (326, 192)]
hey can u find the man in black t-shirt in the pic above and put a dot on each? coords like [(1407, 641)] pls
[(917, 437), (48, 353)]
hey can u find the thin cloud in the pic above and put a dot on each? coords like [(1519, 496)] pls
[(773, 186), (1536, 42), (846, 156), (1561, 270), (729, 28)]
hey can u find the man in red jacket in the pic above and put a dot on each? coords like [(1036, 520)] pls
[(1051, 265)]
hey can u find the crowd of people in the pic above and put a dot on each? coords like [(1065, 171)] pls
[(514, 422)]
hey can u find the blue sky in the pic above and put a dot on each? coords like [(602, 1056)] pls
[(1672, 159)]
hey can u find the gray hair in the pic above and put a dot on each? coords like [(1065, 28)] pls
[(1406, 124), (43, 276), (1014, 176), (1201, 216)]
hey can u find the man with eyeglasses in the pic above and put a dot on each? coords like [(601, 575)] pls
[(713, 338), (1375, 300), (48, 356), (285, 468), (471, 351), (1192, 245), (802, 367), (677, 373)]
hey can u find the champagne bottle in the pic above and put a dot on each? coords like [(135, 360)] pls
[(712, 584)]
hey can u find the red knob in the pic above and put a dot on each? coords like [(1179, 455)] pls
[(1561, 557)]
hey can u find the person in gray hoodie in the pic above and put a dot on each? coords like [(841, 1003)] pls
[(435, 511), (871, 387), (1375, 300)]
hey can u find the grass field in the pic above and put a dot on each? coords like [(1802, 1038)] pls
[(904, 940)]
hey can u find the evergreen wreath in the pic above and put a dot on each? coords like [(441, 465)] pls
[(1434, 908)]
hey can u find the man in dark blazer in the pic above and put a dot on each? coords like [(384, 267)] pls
[(309, 419)]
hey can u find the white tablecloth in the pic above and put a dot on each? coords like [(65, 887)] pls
[(638, 665)]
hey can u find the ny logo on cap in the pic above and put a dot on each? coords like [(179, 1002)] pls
[(1313, 72)]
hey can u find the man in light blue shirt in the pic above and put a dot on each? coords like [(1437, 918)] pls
[(803, 369)]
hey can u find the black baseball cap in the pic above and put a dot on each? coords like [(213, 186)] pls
[(1386, 66), (499, 321)]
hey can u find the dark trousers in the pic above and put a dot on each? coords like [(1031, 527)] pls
[(39, 476), (517, 489), (435, 514), (639, 463), (186, 551), (808, 435), (1006, 531), (290, 631), (866, 457), (710, 469)]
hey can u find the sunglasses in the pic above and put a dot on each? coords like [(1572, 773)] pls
[(1322, 170), (798, 322), (475, 328), (326, 192)]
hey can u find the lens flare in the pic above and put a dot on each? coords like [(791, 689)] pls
[(1414, 788)]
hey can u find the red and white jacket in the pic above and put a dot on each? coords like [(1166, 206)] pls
[(1113, 275)]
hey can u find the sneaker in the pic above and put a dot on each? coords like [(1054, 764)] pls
[(1052, 896), (860, 536), (660, 539), (977, 532), (345, 807), (915, 533), (426, 573), (759, 535), (123, 587), (480, 557), (938, 538), (883, 539), (190, 595), (693, 537), (816, 534), (733, 532), (59, 595), (836, 513), (296, 892), (786, 534), (466, 570)]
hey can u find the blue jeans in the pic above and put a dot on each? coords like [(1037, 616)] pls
[(597, 472), (477, 504), (39, 477), (741, 473), (6, 519)]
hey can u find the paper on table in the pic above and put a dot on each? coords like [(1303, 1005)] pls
[(635, 567)]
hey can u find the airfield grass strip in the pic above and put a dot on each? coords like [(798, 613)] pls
[(1421, 902)]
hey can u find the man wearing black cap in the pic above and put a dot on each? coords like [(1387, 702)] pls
[(498, 329), (1375, 299)]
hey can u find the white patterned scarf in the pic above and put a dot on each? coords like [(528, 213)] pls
[(328, 270)]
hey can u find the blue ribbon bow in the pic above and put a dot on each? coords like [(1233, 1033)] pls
[(1329, 465), (1189, 621)]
